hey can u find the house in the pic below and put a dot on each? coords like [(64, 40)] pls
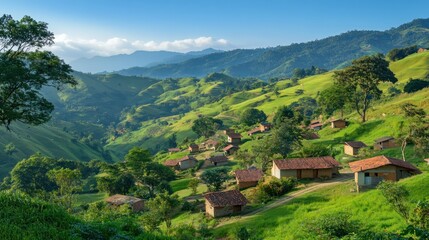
[(136, 204), (218, 160), (421, 50), (352, 147), (193, 148), (313, 167), (310, 135), (182, 163), (315, 125), (173, 150), (384, 142), (225, 203), (234, 138), (371, 171), (210, 144), (248, 177), (229, 130), (254, 131), (338, 123), (265, 126), (230, 149)]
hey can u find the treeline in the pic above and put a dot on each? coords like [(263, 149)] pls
[(400, 53), (299, 73)]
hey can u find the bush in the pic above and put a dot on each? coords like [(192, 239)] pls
[(400, 53), (415, 85), (331, 226), (273, 187)]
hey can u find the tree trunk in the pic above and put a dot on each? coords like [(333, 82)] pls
[(403, 146)]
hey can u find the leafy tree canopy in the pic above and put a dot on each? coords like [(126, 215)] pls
[(206, 126), (252, 116), (26, 69), (415, 85)]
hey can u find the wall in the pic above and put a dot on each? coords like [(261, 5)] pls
[(242, 185), (350, 151), (187, 164)]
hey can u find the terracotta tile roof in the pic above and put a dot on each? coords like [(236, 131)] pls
[(229, 147), (338, 120), (356, 144), (380, 161), (234, 135), (314, 121), (255, 130), (218, 159), (383, 139), (171, 163), (119, 199), (174, 149), (226, 198), (249, 175), (187, 158), (307, 163), (312, 126)]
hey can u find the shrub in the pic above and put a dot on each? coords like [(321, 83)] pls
[(273, 187), (331, 226), (415, 85)]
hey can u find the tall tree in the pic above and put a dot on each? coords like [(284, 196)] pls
[(206, 126), (285, 138), (69, 182), (25, 70), (332, 99), (361, 81), (284, 113), (251, 116), (214, 178), (164, 206)]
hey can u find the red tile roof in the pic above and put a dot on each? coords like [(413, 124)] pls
[(226, 198), (218, 159), (255, 130), (307, 163), (229, 147), (355, 144), (249, 175), (234, 135), (119, 199), (380, 161), (171, 163)]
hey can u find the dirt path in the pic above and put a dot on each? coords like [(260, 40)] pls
[(311, 188)]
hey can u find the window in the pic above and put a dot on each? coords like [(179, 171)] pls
[(367, 174), (376, 174)]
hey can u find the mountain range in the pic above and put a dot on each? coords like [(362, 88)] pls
[(329, 53), (99, 64)]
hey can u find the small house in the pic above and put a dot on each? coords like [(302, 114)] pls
[(248, 177), (254, 131), (264, 127), (218, 160), (219, 204), (384, 142), (338, 123), (182, 163), (234, 138), (310, 135), (371, 171), (193, 148), (229, 130), (210, 144), (230, 149), (313, 167), (352, 147), (136, 204), (315, 125), (173, 150), (421, 50)]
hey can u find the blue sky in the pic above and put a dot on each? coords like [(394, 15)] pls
[(95, 27)]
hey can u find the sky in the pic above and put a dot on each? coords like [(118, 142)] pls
[(86, 28)]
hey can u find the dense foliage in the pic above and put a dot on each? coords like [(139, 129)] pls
[(252, 116), (415, 85), (400, 53)]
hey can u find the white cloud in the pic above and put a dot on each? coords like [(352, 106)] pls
[(70, 48)]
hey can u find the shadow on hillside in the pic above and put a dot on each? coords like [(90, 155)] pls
[(362, 129)]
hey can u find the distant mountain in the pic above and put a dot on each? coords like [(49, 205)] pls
[(329, 53), (137, 59)]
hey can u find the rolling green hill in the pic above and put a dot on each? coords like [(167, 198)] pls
[(329, 53)]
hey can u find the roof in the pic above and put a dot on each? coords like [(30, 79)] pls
[(174, 162), (265, 124), (229, 147), (249, 175), (356, 144), (383, 139), (338, 120), (234, 135), (211, 141), (307, 163), (119, 199), (174, 149), (380, 161), (315, 125), (314, 122), (193, 145), (255, 130), (218, 159), (226, 198), (311, 135)]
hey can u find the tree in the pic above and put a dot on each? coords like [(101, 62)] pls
[(251, 116), (206, 126), (361, 81), (10, 149), (68, 181), (244, 157), (414, 85), (396, 196), (193, 185), (214, 178), (285, 138), (163, 207), (400, 53), (414, 129), (332, 99), (25, 70), (282, 114), (305, 106)]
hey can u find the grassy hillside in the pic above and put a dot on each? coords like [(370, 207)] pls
[(369, 208), (383, 116)]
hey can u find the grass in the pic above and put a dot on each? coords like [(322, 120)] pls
[(180, 187), (87, 198), (369, 208)]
